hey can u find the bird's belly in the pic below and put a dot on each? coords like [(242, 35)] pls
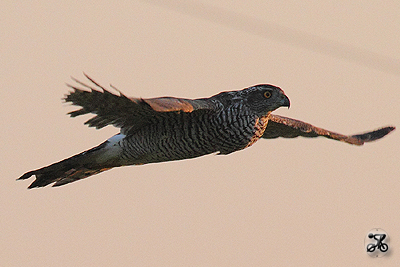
[(190, 139), (168, 147)]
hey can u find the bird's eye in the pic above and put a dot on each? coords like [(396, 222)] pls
[(267, 94)]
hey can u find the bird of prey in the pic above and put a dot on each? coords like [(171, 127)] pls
[(168, 128)]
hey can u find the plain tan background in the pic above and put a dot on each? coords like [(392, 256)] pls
[(281, 202)]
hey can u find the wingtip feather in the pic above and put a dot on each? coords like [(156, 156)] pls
[(26, 175), (35, 183), (374, 135)]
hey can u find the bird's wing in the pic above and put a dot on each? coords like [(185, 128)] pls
[(279, 126), (129, 114)]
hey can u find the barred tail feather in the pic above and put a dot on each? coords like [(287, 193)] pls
[(69, 170)]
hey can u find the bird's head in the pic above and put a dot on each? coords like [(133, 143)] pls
[(264, 98)]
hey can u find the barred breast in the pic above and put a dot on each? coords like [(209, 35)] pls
[(194, 134)]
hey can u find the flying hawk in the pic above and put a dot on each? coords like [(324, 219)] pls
[(168, 128)]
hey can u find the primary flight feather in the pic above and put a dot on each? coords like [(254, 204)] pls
[(168, 128)]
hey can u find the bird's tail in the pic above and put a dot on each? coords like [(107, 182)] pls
[(71, 169)]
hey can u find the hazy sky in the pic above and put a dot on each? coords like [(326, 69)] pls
[(307, 202)]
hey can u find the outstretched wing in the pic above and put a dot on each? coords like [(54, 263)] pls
[(279, 126), (129, 114)]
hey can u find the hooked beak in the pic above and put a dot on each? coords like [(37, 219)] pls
[(285, 102)]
